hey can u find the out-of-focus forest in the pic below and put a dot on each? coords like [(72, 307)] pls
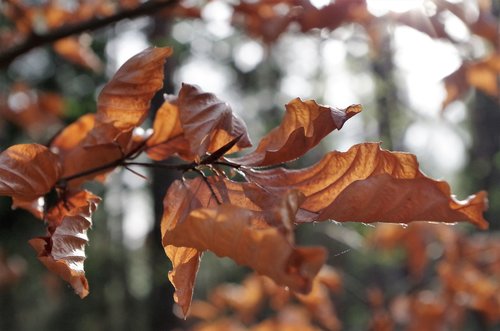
[(427, 74)]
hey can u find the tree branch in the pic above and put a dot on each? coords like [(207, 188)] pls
[(35, 40)]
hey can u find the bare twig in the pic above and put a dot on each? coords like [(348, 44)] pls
[(35, 40)]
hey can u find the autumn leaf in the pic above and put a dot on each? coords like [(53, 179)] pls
[(62, 251), (235, 232), (193, 124), (178, 202), (305, 124), (73, 134), (78, 51), (168, 138), (368, 184), (34, 111), (125, 100), (28, 171)]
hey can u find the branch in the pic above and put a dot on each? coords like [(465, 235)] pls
[(35, 40)]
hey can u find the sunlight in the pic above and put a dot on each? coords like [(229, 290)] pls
[(382, 7), (320, 3)]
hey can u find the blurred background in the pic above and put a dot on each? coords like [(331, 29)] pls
[(425, 71)]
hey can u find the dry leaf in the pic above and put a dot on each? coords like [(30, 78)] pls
[(63, 250), (28, 171), (304, 125)]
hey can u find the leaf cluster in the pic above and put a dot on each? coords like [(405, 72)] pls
[(245, 207)]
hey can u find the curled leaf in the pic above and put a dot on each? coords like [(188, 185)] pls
[(28, 171), (304, 125), (236, 233), (368, 184), (193, 124), (178, 201), (168, 137), (62, 251), (125, 100)]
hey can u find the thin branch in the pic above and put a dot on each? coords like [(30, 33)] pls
[(205, 179), (35, 40)]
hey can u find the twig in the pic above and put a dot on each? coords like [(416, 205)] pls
[(35, 40)]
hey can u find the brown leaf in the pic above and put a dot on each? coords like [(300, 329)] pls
[(318, 301), (28, 171), (246, 299), (395, 200), (34, 111), (208, 122), (63, 250), (73, 134), (193, 124), (125, 100), (265, 19), (79, 52), (305, 124), (232, 231), (178, 202), (168, 137), (484, 74), (368, 184)]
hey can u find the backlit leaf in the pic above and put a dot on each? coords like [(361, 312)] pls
[(125, 100), (208, 123), (79, 52), (193, 124), (304, 125), (62, 251), (236, 233), (178, 202), (73, 134), (168, 137), (28, 171), (368, 184)]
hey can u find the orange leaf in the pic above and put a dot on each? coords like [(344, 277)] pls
[(63, 250), (368, 184), (168, 137), (28, 171), (193, 124), (389, 199), (304, 125), (235, 232), (78, 52), (73, 134), (125, 100), (178, 201), (208, 122)]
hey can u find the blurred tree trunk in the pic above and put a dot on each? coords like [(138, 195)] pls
[(386, 91), (484, 167), (161, 298)]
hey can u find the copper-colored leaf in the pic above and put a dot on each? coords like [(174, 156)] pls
[(125, 100), (388, 199), (208, 123), (34, 111), (168, 137), (28, 171), (63, 250), (246, 299), (235, 232), (484, 75), (193, 124), (73, 134), (318, 301), (368, 184), (304, 125), (79, 52), (178, 202)]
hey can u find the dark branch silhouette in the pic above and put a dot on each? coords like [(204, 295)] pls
[(35, 40)]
